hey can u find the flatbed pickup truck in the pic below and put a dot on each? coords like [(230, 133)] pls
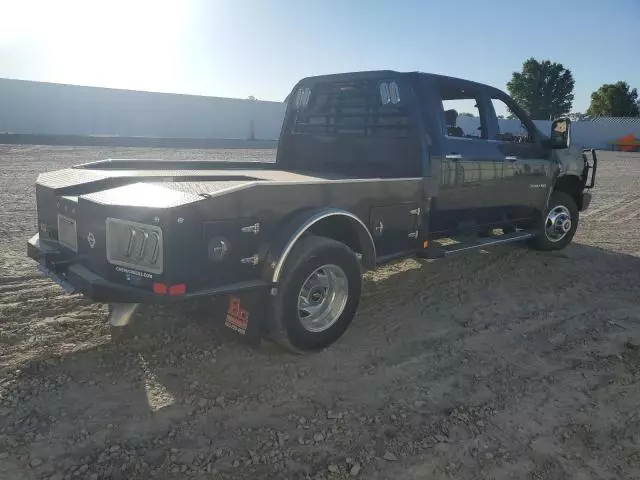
[(370, 167)]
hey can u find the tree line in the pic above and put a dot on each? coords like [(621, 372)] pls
[(545, 90)]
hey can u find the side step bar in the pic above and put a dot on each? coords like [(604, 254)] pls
[(441, 248)]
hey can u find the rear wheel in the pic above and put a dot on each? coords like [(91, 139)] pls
[(559, 224), (318, 296)]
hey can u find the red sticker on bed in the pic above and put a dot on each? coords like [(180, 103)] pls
[(237, 317)]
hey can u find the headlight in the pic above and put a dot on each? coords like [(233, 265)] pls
[(134, 245)]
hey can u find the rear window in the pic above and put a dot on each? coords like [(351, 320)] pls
[(364, 108)]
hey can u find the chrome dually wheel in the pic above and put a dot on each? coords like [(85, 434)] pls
[(322, 298), (318, 295), (558, 223), (555, 229)]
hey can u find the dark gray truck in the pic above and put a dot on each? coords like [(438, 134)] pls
[(370, 167)]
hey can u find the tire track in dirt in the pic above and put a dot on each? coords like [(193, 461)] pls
[(27, 298), (601, 205), (612, 214), (426, 280), (30, 288), (630, 216), (8, 300), (24, 284)]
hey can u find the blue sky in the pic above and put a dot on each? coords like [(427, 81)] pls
[(237, 48)]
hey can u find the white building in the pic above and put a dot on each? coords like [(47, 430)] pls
[(55, 109)]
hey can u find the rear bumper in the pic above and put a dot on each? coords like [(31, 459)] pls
[(76, 278)]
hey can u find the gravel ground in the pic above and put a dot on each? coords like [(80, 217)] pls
[(508, 363)]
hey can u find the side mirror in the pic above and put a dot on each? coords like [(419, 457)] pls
[(560, 133)]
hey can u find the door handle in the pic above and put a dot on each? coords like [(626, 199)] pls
[(453, 156), (511, 158)]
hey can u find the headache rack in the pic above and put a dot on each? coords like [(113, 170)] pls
[(352, 108)]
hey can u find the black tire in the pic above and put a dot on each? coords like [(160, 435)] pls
[(309, 254), (542, 240)]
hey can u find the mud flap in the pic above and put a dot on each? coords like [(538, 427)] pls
[(120, 314), (246, 315)]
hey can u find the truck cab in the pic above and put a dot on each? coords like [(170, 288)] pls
[(447, 132)]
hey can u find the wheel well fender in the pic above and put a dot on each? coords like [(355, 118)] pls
[(338, 224), (571, 185)]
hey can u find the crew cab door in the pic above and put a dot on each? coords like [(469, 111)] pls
[(527, 163), (471, 174)]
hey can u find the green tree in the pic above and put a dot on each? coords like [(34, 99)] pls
[(543, 89), (614, 100), (466, 114)]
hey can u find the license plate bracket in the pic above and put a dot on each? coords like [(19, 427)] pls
[(68, 232)]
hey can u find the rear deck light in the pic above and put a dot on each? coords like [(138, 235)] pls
[(385, 96), (394, 93), (389, 93), (178, 289), (302, 98)]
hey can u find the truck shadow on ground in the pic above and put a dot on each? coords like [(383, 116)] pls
[(182, 380)]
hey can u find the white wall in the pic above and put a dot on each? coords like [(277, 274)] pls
[(53, 109)]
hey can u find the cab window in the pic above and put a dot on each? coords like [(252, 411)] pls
[(511, 127), (462, 115)]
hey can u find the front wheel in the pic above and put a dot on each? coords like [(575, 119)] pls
[(318, 297), (559, 223)]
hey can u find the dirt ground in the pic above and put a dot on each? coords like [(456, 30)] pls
[(508, 363)]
